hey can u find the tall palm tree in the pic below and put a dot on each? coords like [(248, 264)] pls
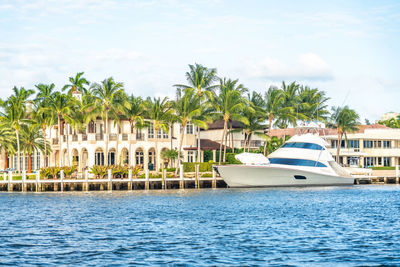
[(32, 140), (135, 115), (160, 113), (202, 80), (41, 114), (110, 98), (77, 83), (188, 109), (228, 105), (15, 111), (345, 120), (61, 106), (254, 113), (313, 104), (290, 101), (7, 141)]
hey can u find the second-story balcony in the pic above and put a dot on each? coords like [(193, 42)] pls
[(124, 137), (54, 141), (99, 137), (74, 138), (84, 137), (64, 138), (112, 137)]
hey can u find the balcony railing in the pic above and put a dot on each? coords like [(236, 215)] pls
[(84, 137), (253, 143), (124, 137), (113, 137), (55, 141), (74, 138), (99, 137), (139, 136)]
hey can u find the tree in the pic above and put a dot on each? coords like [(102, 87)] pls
[(135, 115), (255, 115), (7, 141), (202, 80), (345, 120), (169, 155), (290, 106), (228, 105), (15, 109), (313, 104), (187, 109), (61, 106), (160, 113), (77, 83), (32, 140), (110, 98)]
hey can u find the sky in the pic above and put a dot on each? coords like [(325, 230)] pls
[(350, 49)]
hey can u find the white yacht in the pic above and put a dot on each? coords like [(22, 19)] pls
[(302, 161)]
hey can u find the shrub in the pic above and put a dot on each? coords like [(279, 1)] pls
[(171, 169), (207, 174), (230, 158), (68, 171), (203, 166), (99, 171)]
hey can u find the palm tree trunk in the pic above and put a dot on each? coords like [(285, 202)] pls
[(19, 152), (180, 147), (338, 147), (198, 144), (245, 141), (6, 160), (45, 146), (226, 139), (130, 148), (231, 137), (106, 138), (59, 140), (265, 148), (220, 144), (29, 163), (68, 153), (116, 147), (155, 163), (248, 143)]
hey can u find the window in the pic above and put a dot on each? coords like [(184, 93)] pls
[(304, 145), (190, 156), (139, 158), (162, 134), (333, 143), (38, 160), (386, 144), (369, 161), (189, 128), (297, 162), (368, 144), (379, 161), (99, 158), (151, 131), (386, 161), (354, 143)]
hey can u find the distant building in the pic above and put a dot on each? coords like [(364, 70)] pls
[(389, 115)]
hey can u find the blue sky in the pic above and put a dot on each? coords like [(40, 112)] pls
[(350, 49)]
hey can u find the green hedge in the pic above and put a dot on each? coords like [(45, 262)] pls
[(386, 168), (203, 166)]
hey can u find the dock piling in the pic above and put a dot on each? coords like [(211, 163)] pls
[(196, 177), (109, 180), (163, 175), (147, 183), (130, 180), (23, 185), (182, 181), (214, 181), (37, 181), (86, 180), (62, 180), (9, 181)]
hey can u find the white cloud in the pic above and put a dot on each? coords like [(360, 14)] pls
[(308, 66)]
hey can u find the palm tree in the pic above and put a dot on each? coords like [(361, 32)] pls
[(110, 98), (15, 109), (32, 140), (188, 109), (61, 106), (254, 113), (169, 155), (345, 120), (41, 114), (290, 101), (202, 80), (77, 83), (135, 115), (7, 141), (160, 113), (228, 105), (313, 104)]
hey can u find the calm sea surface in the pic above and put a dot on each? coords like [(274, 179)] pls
[(357, 225)]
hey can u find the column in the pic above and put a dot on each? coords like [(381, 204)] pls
[(214, 155), (146, 159)]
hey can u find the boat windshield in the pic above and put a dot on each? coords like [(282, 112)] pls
[(304, 145), (297, 162)]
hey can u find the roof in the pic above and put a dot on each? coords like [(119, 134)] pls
[(206, 144), (327, 131), (219, 124)]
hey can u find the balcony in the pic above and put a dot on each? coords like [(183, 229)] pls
[(124, 137), (99, 137), (139, 136), (84, 137), (253, 143), (112, 137), (64, 138), (55, 141), (75, 138)]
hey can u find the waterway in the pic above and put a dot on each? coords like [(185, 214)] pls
[(352, 226)]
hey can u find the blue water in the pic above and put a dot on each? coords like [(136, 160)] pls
[(294, 226)]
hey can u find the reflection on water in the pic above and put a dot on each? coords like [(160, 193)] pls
[(354, 225)]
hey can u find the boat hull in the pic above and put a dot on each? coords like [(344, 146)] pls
[(264, 176)]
